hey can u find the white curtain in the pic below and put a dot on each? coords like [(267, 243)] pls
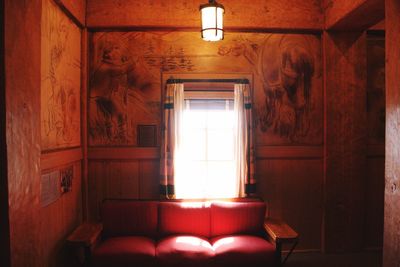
[(241, 138), (171, 131), (179, 106)]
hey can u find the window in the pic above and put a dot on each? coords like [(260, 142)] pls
[(205, 167), (207, 148)]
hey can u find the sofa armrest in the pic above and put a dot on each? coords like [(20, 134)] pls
[(83, 239), (280, 233)]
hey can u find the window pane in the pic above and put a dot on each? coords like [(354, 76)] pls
[(220, 145), (194, 144), (194, 119), (218, 119), (221, 179), (191, 182), (206, 167)]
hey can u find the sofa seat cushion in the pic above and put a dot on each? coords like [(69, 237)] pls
[(243, 250), (184, 251), (125, 251)]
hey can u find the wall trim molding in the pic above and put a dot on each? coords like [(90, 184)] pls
[(58, 158), (123, 153), (289, 152)]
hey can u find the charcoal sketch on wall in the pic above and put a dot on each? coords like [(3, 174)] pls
[(118, 94), (288, 94), (125, 81), (60, 79), (287, 71)]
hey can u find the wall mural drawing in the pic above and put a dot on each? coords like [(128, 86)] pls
[(60, 80), (118, 94), (288, 69), (125, 85), (287, 66)]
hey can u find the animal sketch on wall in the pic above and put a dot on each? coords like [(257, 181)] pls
[(110, 91), (118, 94), (60, 81), (288, 68), (289, 73)]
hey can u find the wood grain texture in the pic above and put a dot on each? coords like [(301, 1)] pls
[(274, 14), (391, 239), (293, 192), (77, 8), (346, 140), (22, 43), (353, 15)]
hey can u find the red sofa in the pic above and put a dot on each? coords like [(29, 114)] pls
[(190, 234)]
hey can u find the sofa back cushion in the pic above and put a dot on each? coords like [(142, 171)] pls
[(189, 218), (128, 218), (229, 218)]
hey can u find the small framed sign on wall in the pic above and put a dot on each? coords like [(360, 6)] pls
[(146, 135)]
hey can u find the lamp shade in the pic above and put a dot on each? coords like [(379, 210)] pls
[(212, 20)]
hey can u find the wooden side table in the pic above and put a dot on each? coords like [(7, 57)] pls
[(281, 233), (83, 238)]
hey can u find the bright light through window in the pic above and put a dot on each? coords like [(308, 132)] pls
[(205, 167)]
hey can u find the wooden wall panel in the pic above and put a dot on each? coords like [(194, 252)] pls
[(77, 8), (4, 216), (59, 219), (60, 126), (374, 192), (274, 14), (376, 88), (351, 15), (375, 176), (37, 234), (111, 179), (391, 240), (346, 140), (22, 43), (137, 179), (293, 190), (149, 175), (84, 115)]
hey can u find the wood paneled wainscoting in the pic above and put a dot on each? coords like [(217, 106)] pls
[(121, 173), (289, 179)]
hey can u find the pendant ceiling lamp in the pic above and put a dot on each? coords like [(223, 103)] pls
[(212, 19)]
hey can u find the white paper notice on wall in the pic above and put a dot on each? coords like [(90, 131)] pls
[(50, 188)]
